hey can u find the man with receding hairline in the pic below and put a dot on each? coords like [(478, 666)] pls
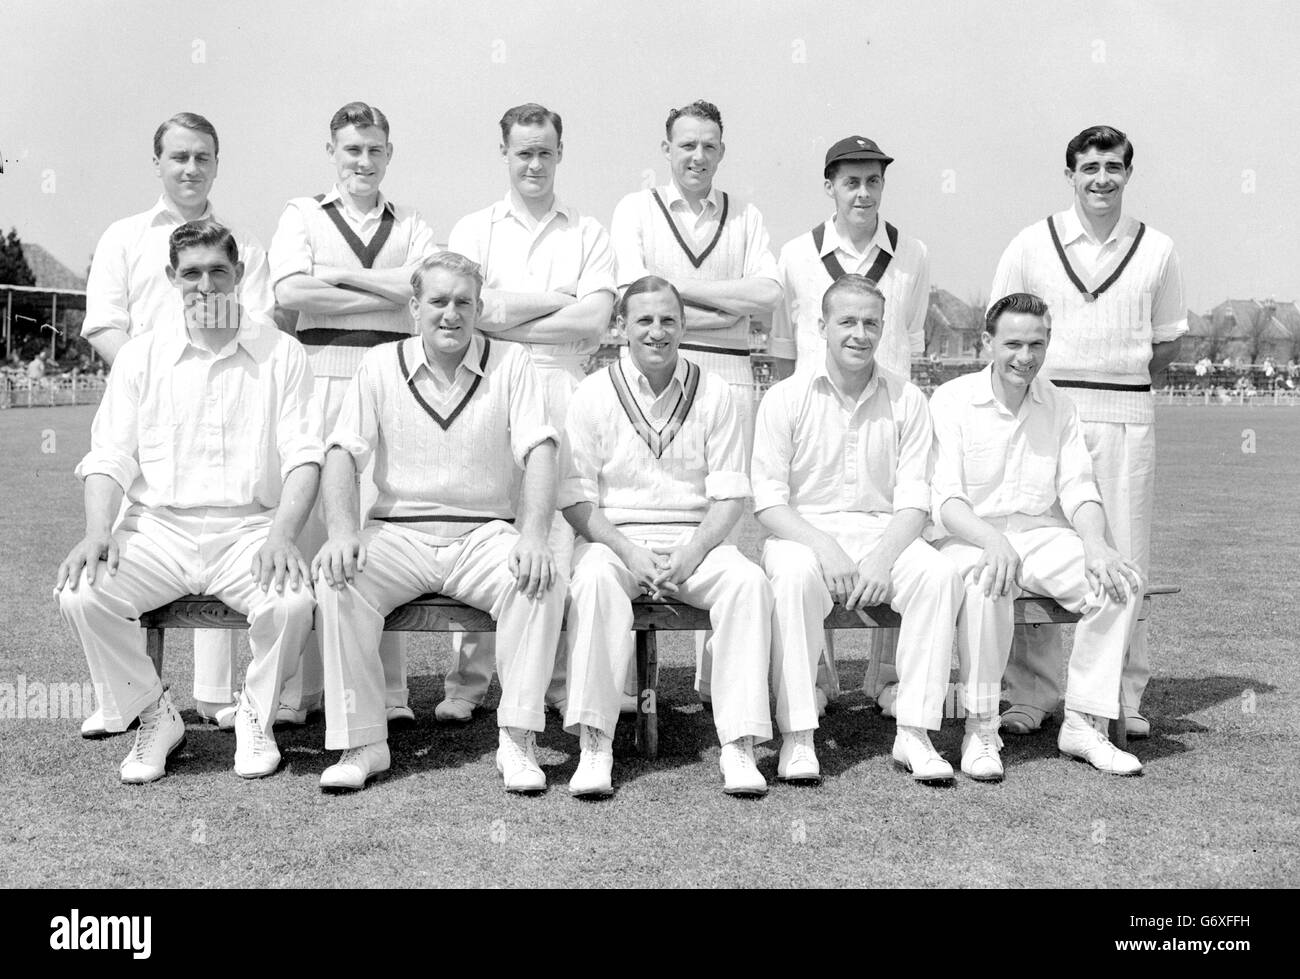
[(127, 292), (343, 260), (841, 480), (654, 480), (548, 284)]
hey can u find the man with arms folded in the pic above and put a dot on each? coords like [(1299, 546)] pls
[(857, 240), (548, 274), (1115, 289), (1013, 487), (451, 419), (209, 427), (344, 260), (840, 470), (655, 480), (715, 251), (128, 291)]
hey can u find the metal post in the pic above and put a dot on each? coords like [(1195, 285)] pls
[(9, 318), (54, 323)]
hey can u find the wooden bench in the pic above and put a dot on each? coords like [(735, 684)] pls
[(434, 613)]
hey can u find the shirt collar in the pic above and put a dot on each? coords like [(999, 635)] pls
[(982, 391), (1071, 229), (471, 359), (163, 209), (335, 194), (630, 367), (671, 195), (878, 377), (512, 206), (256, 335), (831, 239)]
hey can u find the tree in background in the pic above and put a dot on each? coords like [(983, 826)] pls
[(14, 269)]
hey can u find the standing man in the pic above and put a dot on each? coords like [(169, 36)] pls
[(1115, 291), (452, 420), (1013, 487), (655, 480), (548, 274), (841, 480), (857, 240), (127, 292), (715, 251), (210, 429), (343, 260)]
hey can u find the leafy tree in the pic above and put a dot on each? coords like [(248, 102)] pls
[(14, 269)]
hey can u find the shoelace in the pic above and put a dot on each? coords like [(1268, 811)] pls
[(739, 754), (802, 754), (518, 753), (260, 740), (148, 730), (350, 755), (989, 744), (590, 739)]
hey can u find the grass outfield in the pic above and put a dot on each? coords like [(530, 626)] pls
[(1217, 806)]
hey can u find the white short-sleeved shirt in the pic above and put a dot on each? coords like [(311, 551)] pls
[(128, 289), (1006, 464), (181, 426), (564, 252), (821, 453), (443, 457), (647, 458), (804, 279)]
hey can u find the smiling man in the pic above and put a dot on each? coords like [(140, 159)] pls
[(1013, 488), (1115, 290), (856, 239), (840, 470), (654, 481), (548, 274), (343, 260), (128, 292), (210, 429), (455, 425)]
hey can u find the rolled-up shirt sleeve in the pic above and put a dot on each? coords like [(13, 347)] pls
[(724, 450), (1010, 275), (423, 243), (579, 472), (114, 434), (107, 298), (773, 451), (781, 341), (759, 260), (625, 238), (528, 428), (357, 426), (947, 481), (916, 437), (255, 289), (919, 303), (1074, 480), (291, 251), (1168, 314), (597, 273), (299, 429)]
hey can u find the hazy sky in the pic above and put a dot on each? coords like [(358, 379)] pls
[(976, 100)]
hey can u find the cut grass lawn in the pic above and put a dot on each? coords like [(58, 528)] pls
[(1217, 806)]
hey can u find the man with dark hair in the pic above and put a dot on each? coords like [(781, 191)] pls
[(1013, 489), (127, 292), (715, 250), (343, 260), (208, 513), (549, 284), (841, 480), (654, 481), (1115, 290), (456, 424), (856, 240)]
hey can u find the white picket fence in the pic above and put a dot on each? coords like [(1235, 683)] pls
[(20, 391)]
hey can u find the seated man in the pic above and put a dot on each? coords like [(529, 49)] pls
[(654, 481), (840, 471), (1012, 476), (451, 419), (210, 428)]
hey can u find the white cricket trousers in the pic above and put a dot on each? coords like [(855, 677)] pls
[(169, 553), (1124, 466), (303, 687), (474, 652), (1051, 564), (732, 588), (738, 372), (924, 589), (402, 564)]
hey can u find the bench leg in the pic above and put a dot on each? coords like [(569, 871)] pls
[(153, 645), (647, 680), (827, 669)]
